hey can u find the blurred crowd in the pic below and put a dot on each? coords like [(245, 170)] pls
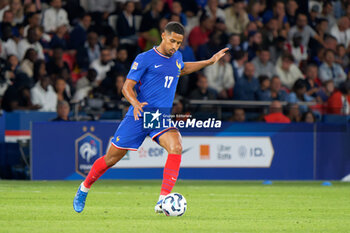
[(55, 54)]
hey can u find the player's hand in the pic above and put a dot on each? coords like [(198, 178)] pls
[(217, 56), (138, 110)]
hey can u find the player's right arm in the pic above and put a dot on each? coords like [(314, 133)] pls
[(138, 68), (129, 94)]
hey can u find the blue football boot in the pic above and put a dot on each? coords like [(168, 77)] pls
[(79, 200)]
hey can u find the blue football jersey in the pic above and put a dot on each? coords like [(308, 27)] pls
[(157, 76)]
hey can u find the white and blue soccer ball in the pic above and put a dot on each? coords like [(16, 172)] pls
[(174, 204)]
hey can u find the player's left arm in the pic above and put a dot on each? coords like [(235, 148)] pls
[(190, 67)]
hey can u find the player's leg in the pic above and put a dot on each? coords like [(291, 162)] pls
[(99, 167), (129, 136), (172, 142), (102, 164)]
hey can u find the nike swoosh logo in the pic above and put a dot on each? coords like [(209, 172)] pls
[(185, 150), (156, 66)]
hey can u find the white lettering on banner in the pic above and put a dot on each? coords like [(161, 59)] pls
[(237, 152)]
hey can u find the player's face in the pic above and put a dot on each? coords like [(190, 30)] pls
[(172, 42)]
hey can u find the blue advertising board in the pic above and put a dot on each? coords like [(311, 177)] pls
[(66, 150), (2, 138)]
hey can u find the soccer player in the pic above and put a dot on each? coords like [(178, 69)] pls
[(154, 75)]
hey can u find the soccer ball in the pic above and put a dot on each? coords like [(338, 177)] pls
[(174, 204)]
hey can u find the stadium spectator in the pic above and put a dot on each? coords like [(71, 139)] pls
[(247, 86), (200, 34), (16, 8), (203, 91), (330, 43), (329, 70), (293, 112), (326, 90), (30, 7), (303, 30), (27, 65), (254, 13), (32, 41), (239, 59), (176, 9), (4, 6), (89, 52), (101, 9), (61, 90), (278, 49), (56, 63), (8, 44), (327, 12), (251, 27), (44, 95), (277, 12), (85, 85), (58, 39), (179, 110), (55, 17), (12, 66), (238, 115), (205, 51), (151, 19), (254, 44), (270, 33), (236, 17), (312, 81), (341, 31), (275, 114), (8, 20), (213, 10), (220, 29), (114, 93), (299, 94), (276, 92), (121, 63), (220, 76), (264, 89), (297, 49), (33, 21), (313, 17), (155, 34), (287, 71), (126, 24), (112, 43), (190, 7), (62, 111), (78, 35), (39, 70), (339, 102), (102, 65), (234, 43), (308, 117), (342, 57), (18, 97), (291, 12), (263, 65), (318, 58)]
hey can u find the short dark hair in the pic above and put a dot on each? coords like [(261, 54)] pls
[(175, 27)]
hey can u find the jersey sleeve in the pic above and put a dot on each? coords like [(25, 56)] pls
[(138, 68)]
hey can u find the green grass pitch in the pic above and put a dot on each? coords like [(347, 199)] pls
[(213, 206)]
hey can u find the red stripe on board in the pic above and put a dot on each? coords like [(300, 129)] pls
[(17, 132)]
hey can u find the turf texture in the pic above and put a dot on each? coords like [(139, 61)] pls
[(213, 206)]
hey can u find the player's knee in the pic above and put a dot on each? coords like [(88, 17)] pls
[(110, 161), (114, 156), (175, 148)]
